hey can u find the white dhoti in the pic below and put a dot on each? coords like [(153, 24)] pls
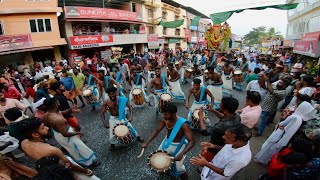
[(203, 67), (80, 152), (146, 99), (25, 102), (198, 105), (199, 77), (216, 91), (81, 176), (179, 167), (113, 121), (151, 75), (176, 91), (182, 71), (227, 84)]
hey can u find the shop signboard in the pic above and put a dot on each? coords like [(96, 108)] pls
[(14, 42), (187, 33), (81, 12), (173, 40), (80, 42), (161, 41), (308, 48), (194, 39), (153, 41)]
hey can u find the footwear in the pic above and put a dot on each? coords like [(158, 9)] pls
[(95, 164)]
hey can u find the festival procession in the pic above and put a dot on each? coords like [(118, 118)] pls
[(159, 89)]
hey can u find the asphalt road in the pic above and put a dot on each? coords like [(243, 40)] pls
[(122, 163)]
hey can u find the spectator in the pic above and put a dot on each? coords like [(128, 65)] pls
[(253, 76), (258, 86)]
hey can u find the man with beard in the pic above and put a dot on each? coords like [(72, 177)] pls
[(160, 82), (104, 83), (7, 103), (117, 105), (179, 139), (35, 147), (174, 76), (200, 94), (78, 79), (215, 83), (136, 82), (65, 135), (64, 105)]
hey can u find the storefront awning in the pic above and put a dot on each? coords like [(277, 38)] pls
[(26, 50)]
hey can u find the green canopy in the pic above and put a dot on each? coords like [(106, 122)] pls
[(221, 17), (195, 21), (172, 24)]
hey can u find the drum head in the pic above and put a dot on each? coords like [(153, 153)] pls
[(160, 161), (165, 97), (196, 113), (206, 71), (121, 130), (237, 72), (136, 91), (87, 92), (190, 70)]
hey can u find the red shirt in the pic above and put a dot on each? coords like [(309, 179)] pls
[(30, 92), (12, 93), (276, 167), (127, 62)]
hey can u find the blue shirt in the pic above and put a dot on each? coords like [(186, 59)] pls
[(67, 83)]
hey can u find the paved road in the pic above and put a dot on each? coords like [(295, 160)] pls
[(123, 163)]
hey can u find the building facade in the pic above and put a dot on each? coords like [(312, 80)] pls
[(97, 29), (29, 31), (303, 30)]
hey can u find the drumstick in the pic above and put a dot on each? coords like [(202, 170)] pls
[(142, 151)]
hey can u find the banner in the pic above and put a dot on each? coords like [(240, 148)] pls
[(100, 13), (221, 17), (187, 33), (308, 48), (153, 41), (14, 42), (172, 24), (79, 42), (173, 40)]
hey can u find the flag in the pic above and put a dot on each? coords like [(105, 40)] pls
[(195, 21), (172, 24)]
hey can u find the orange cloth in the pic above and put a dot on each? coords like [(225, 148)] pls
[(73, 122)]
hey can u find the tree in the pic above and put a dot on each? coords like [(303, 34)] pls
[(253, 37)]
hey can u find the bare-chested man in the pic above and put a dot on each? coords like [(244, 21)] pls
[(174, 76), (160, 83), (116, 105), (184, 64), (136, 82), (200, 94), (152, 68), (214, 82), (137, 67), (65, 135), (35, 147), (197, 73), (104, 82), (179, 136), (227, 77)]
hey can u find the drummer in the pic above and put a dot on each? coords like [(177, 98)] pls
[(227, 77), (197, 73), (136, 81), (117, 105), (184, 64), (178, 141), (119, 78), (200, 94), (153, 64), (214, 85), (174, 77), (104, 82), (160, 83)]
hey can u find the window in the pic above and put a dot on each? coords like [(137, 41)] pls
[(314, 24), (150, 30), (164, 15), (164, 32), (40, 25), (176, 17), (1, 28), (150, 13), (133, 7), (177, 32)]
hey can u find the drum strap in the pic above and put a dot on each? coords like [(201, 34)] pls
[(163, 80), (89, 80), (195, 60), (122, 114), (118, 77), (107, 81), (203, 60), (137, 79), (172, 59), (213, 60), (202, 91), (174, 132), (187, 62)]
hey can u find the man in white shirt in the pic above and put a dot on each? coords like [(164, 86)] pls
[(258, 86), (232, 157), (48, 69)]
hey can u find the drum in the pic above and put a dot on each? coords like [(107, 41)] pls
[(123, 133), (195, 123), (137, 96), (177, 66), (206, 73), (91, 95), (188, 73), (238, 76), (163, 98), (160, 161)]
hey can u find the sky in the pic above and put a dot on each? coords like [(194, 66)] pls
[(242, 23)]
